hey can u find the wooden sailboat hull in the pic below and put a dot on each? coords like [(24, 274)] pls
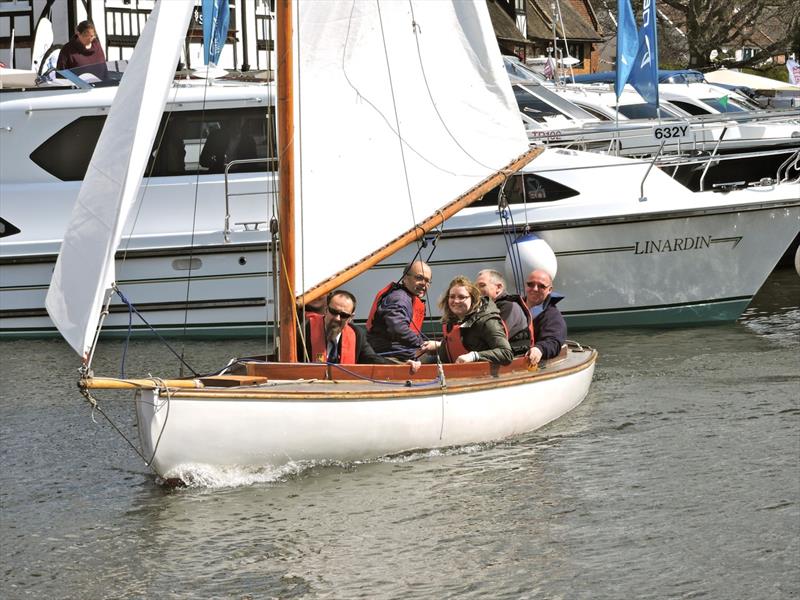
[(283, 422)]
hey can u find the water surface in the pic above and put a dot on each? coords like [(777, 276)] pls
[(678, 477)]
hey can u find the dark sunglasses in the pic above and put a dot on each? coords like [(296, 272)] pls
[(337, 313), (536, 286)]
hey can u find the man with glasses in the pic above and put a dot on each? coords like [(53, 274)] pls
[(332, 338), (394, 327), (549, 327)]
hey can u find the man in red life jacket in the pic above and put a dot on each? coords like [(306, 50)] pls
[(331, 337), (549, 327), (395, 322), (513, 310)]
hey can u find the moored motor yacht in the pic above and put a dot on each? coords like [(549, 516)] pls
[(216, 277)]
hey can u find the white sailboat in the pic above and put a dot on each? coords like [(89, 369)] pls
[(377, 65)]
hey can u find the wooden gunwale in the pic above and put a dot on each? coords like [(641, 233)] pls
[(358, 392)]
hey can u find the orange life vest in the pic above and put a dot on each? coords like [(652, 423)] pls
[(453, 344), (417, 307), (319, 344)]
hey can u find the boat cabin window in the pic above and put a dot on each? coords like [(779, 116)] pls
[(594, 112), (533, 187), (690, 108), (187, 143), (638, 111), (535, 108), (723, 108)]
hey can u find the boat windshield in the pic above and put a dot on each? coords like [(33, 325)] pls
[(97, 75), (638, 111), (718, 105)]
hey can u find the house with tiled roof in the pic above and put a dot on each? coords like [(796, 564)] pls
[(531, 29)]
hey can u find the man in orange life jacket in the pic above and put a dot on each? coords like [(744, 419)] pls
[(549, 327), (395, 322), (330, 337), (513, 310)]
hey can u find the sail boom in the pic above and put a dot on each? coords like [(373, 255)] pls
[(419, 230)]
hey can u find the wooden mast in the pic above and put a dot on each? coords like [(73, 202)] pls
[(286, 296)]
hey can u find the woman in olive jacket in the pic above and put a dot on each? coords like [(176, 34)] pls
[(472, 327)]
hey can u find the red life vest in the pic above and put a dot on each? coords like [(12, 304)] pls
[(319, 344), (453, 344), (417, 307)]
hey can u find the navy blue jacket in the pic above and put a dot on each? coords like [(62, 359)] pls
[(391, 327), (549, 327)]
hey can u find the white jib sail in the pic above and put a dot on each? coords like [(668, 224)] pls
[(84, 271), (368, 75)]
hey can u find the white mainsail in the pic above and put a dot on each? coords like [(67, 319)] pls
[(369, 74), (84, 271)]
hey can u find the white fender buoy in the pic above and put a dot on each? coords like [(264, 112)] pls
[(534, 253), (797, 260)]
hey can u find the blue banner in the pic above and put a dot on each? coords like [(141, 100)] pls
[(644, 76), (627, 44), (216, 14)]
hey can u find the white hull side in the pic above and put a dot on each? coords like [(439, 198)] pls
[(270, 433)]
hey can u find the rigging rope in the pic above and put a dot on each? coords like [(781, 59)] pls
[(407, 383), (158, 335)]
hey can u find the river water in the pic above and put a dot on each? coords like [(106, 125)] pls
[(678, 477)]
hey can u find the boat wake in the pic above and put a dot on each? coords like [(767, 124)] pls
[(208, 476), (196, 476)]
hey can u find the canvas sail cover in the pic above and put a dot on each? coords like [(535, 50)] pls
[(85, 267), (400, 108)]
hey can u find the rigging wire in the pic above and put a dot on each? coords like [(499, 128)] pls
[(407, 383), (158, 335), (394, 107), (417, 30)]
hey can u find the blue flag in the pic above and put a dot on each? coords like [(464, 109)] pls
[(627, 44), (216, 14), (644, 76)]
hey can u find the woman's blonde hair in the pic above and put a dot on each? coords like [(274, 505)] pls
[(474, 293)]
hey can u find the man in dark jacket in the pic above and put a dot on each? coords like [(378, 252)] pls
[(549, 327), (516, 317), (394, 326), (331, 337)]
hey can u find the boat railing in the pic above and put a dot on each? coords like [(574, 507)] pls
[(642, 197), (713, 154), (791, 163), (248, 225), (611, 140)]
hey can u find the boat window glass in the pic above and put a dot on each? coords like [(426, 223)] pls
[(715, 103), (535, 187), (67, 153), (187, 143), (638, 111), (690, 108), (533, 107), (594, 112)]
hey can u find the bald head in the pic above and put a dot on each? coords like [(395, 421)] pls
[(417, 278), (538, 286)]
